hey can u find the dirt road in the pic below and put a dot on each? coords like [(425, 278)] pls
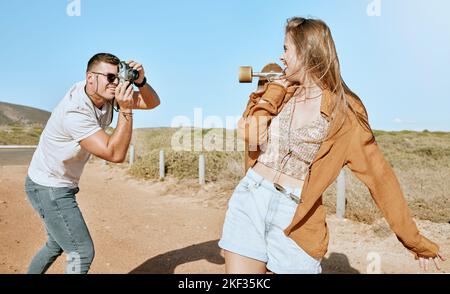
[(167, 227), (15, 156)]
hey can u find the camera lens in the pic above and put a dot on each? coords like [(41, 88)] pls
[(134, 75)]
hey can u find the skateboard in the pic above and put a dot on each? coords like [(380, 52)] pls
[(268, 72)]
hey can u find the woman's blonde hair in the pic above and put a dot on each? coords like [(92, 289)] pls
[(317, 53)]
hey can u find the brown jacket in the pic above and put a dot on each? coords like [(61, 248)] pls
[(351, 146)]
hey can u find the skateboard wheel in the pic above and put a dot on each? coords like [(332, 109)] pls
[(245, 74)]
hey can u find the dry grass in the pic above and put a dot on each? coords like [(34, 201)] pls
[(182, 164), (421, 161), (20, 134)]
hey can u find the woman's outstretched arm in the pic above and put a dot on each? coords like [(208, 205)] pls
[(367, 162)]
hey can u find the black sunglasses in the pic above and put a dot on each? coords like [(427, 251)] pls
[(110, 77)]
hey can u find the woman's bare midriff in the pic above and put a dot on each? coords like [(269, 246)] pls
[(276, 177)]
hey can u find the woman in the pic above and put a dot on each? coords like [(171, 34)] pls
[(300, 131)]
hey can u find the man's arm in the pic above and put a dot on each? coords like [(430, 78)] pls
[(111, 148), (145, 98), (114, 148)]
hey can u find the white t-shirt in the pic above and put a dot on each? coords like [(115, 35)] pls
[(59, 159)]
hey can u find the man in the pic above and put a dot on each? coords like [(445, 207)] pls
[(74, 131)]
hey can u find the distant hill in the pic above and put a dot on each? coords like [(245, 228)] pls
[(13, 114), (21, 125)]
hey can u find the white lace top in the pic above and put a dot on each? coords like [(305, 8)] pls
[(291, 151)]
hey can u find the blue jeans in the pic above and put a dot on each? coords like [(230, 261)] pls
[(66, 230)]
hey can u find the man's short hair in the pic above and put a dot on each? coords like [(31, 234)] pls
[(102, 57)]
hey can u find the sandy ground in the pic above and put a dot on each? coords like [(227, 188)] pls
[(168, 227)]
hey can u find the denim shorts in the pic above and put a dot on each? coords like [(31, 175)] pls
[(254, 222)]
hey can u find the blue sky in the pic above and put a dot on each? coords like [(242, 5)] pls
[(398, 62)]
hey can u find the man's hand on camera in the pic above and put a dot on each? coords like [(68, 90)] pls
[(124, 96), (139, 68)]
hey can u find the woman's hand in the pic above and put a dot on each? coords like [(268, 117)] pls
[(291, 87), (282, 81), (424, 261)]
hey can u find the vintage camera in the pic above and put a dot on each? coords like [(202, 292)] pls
[(127, 73)]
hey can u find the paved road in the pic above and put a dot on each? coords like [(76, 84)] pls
[(15, 156)]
